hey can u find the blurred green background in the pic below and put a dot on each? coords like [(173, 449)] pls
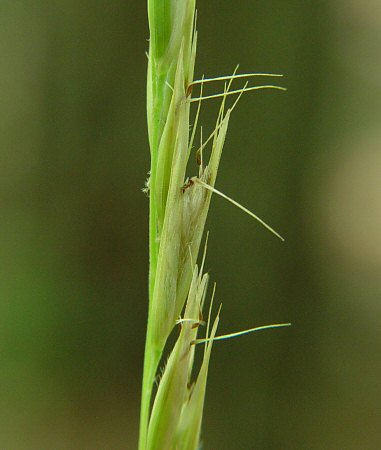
[(73, 225)]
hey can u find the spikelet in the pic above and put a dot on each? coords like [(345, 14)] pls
[(178, 212), (173, 392)]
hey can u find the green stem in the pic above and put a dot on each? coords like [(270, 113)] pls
[(151, 360), (151, 356), (159, 98)]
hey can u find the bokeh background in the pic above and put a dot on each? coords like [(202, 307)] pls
[(73, 225)]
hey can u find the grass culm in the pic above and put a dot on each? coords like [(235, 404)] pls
[(171, 419)]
